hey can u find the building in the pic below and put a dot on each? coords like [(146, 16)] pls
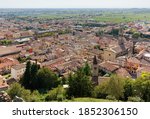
[(3, 84), (6, 64), (10, 50), (95, 71), (17, 71)]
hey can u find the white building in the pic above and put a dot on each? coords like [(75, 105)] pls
[(17, 71)]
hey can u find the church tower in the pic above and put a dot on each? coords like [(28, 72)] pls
[(95, 71), (121, 39)]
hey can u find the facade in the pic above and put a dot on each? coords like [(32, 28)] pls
[(17, 71)]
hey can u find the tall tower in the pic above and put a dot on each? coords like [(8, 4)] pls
[(121, 39), (95, 71)]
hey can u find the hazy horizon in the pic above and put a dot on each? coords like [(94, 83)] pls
[(59, 4)]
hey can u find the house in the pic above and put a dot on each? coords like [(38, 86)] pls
[(121, 48), (108, 67), (10, 50), (17, 71), (6, 64), (123, 73)]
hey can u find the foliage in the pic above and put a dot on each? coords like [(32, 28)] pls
[(22, 59), (136, 35), (46, 79), (46, 34), (97, 47), (128, 88), (110, 97), (36, 96), (16, 90), (25, 81), (87, 69), (115, 87), (134, 99), (58, 94), (115, 32), (38, 79), (80, 84), (142, 87), (100, 91), (5, 42)]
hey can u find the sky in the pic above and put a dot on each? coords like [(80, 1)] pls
[(74, 3)]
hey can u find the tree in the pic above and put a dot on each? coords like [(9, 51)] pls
[(46, 79), (34, 70), (136, 35), (26, 79), (142, 87), (128, 88), (58, 93), (29, 79), (99, 33), (87, 69), (16, 90), (80, 84), (100, 91), (115, 87), (115, 32)]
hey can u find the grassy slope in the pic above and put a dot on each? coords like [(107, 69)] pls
[(89, 100)]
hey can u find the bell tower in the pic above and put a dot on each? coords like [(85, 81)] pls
[(95, 71)]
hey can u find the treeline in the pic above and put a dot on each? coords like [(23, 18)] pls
[(41, 84), (53, 33), (5, 42), (125, 89), (48, 86), (36, 78)]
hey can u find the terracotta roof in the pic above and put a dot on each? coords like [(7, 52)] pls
[(108, 66), (123, 72), (9, 50), (133, 60), (19, 66)]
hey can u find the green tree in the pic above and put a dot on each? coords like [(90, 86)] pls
[(115, 32), (16, 90), (46, 79), (142, 86), (136, 35), (100, 91), (26, 79), (58, 93), (128, 89), (115, 87), (80, 84), (34, 70), (87, 69)]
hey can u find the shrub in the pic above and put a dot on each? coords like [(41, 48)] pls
[(100, 91), (58, 94), (134, 99), (110, 97)]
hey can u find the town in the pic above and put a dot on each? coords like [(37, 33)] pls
[(69, 39)]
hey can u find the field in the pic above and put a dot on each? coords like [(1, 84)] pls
[(105, 16), (122, 17)]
